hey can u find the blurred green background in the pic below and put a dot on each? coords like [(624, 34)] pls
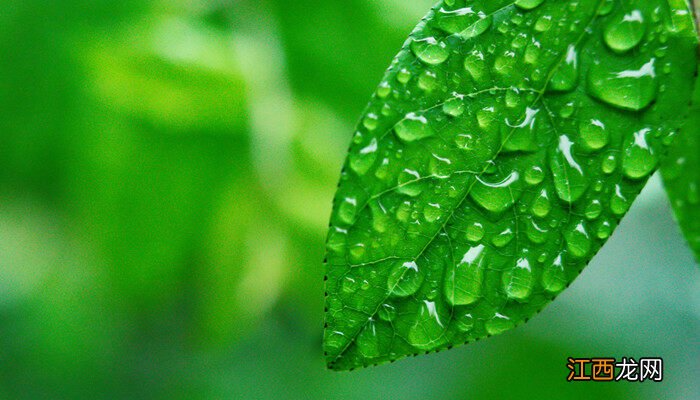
[(166, 175)]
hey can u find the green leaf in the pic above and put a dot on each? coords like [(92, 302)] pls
[(681, 173), (498, 154)]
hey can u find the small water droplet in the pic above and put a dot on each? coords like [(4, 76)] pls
[(403, 76), (553, 277), (430, 51), (364, 159), (505, 63), (639, 159), (606, 7), (625, 32), (475, 232), (409, 183), (541, 206), (405, 279), (618, 203), (528, 4), (577, 241), (569, 179), (594, 209), (349, 285), (455, 21), (609, 164), (536, 233), (387, 312), (498, 324), (357, 252), (427, 81), (544, 23), (432, 212), (374, 339), (474, 64), (534, 175), (413, 127), (477, 28), (604, 230), (502, 239), (465, 322), (347, 210), (463, 281), (383, 90), (453, 107), (337, 240), (518, 281), (594, 134)]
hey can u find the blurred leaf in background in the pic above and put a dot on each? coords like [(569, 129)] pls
[(167, 174)]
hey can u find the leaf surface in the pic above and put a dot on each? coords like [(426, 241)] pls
[(498, 154)]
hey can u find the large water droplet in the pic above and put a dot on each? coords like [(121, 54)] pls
[(536, 233), (528, 4), (405, 279), (497, 196), (521, 136), (474, 64), (432, 212), (362, 161), (594, 209), (465, 322), (593, 134), (348, 210), (413, 127), (553, 277), (387, 312), (534, 175), (504, 238), (409, 183), (541, 206), (454, 107), (565, 77), (505, 63), (430, 51), (463, 282), (374, 339), (639, 159), (569, 179), (619, 203), (629, 90), (349, 284), (518, 281), (428, 332), (477, 28), (380, 217), (577, 241), (456, 21), (498, 324), (337, 240), (544, 23), (625, 32)]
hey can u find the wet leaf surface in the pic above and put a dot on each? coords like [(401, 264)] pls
[(497, 156)]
